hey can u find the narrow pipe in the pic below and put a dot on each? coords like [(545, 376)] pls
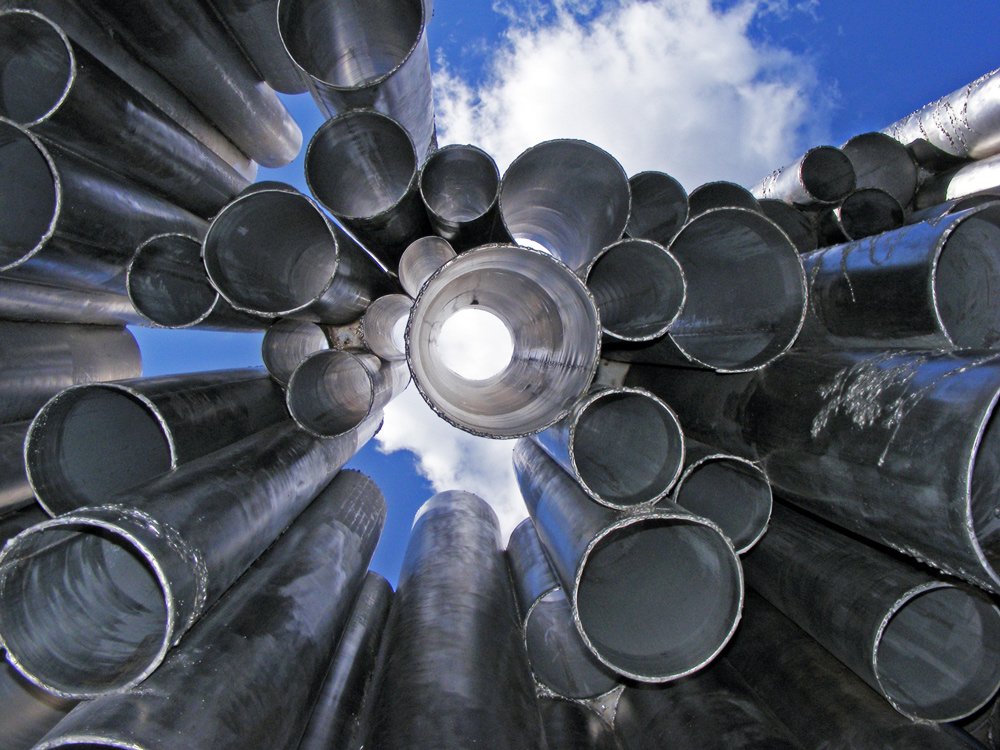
[(720, 195), (37, 360), (287, 342), (15, 491), (334, 722), (726, 489), (28, 711), (655, 595), (460, 188), (320, 274), (93, 441), (554, 329), (569, 198), (823, 175), (246, 676), (882, 162), (941, 210), (659, 207), (362, 167), (978, 177), (60, 92), (569, 725), (797, 224), (42, 303), (372, 56), (333, 392), (864, 213), (559, 659), (931, 648), (619, 468), (164, 552), (383, 326), (639, 289), (420, 260), (454, 623)]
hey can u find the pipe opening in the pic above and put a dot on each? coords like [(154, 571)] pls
[(91, 442), (288, 342), (28, 195), (869, 211), (459, 183), (720, 195), (331, 392), (937, 657), (384, 326), (659, 207), (881, 161), (659, 597), (36, 67), (167, 282), (420, 260), (474, 344), (793, 222), (827, 174)]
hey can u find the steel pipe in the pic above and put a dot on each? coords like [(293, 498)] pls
[(420, 260), (823, 175), (93, 441), (383, 326), (569, 725), (460, 188), (42, 303), (37, 360), (984, 725), (246, 676), (882, 162), (655, 595), (864, 213), (454, 621), (12, 524), (15, 491), (559, 659), (566, 197), (28, 712), (720, 195), (797, 224), (554, 328), (287, 342), (659, 207), (165, 552), (978, 177), (953, 207)]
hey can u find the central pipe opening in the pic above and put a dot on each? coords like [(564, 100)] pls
[(36, 67), (474, 344)]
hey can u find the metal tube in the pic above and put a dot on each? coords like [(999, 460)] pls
[(554, 328), (164, 552), (247, 674), (984, 725), (566, 197), (639, 289), (372, 56), (952, 207), (287, 342), (42, 303), (978, 177), (383, 326), (930, 647), (92, 441), (28, 711), (453, 621), (821, 176), (619, 468), (569, 725), (460, 188), (12, 524), (320, 274), (37, 360), (362, 167), (797, 224), (720, 195), (334, 722), (864, 213), (655, 594), (15, 491), (59, 91), (659, 207), (420, 260), (882, 162)]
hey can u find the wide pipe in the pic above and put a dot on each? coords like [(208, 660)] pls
[(570, 725), (822, 176), (882, 162), (420, 260), (620, 468), (383, 326), (28, 711), (977, 177), (454, 621), (794, 222), (554, 328), (37, 360), (558, 657), (15, 490), (566, 197), (43, 303), (460, 188), (287, 342), (246, 676), (164, 552), (659, 207), (864, 213), (92, 441), (720, 195), (655, 594)]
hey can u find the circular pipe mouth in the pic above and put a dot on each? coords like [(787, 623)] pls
[(639, 289), (384, 326), (420, 260), (332, 392), (827, 174), (360, 164), (30, 195), (553, 326), (658, 595), (287, 342), (37, 67), (92, 441), (659, 207), (459, 184), (936, 656), (881, 161), (167, 282), (243, 266), (793, 222), (566, 197), (720, 195), (869, 211)]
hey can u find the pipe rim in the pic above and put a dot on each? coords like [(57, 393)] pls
[(380, 342), (818, 192), (444, 153), (134, 294), (883, 150), (843, 212), (308, 422), (72, 65), (414, 259), (636, 212), (721, 194), (268, 353)]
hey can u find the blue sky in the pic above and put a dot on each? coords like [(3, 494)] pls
[(724, 90)]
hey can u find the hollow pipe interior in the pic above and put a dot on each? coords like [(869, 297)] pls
[(420, 260), (659, 207), (827, 174), (384, 326), (869, 211), (459, 184), (287, 342), (332, 391), (167, 283), (37, 67), (29, 196)]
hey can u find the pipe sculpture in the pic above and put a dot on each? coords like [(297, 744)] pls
[(882, 162), (797, 224), (864, 213), (971, 179), (383, 326), (941, 210), (42, 303), (822, 176), (28, 712), (15, 491), (287, 342), (460, 188), (720, 195), (659, 207), (569, 725), (420, 260)]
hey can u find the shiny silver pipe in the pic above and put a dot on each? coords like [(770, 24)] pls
[(952, 207), (37, 360), (570, 725), (977, 177), (93, 441), (639, 289), (559, 659), (864, 213), (335, 719), (554, 329), (184, 43), (43, 303), (930, 647), (420, 260), (332, 392), (822, 176), (655, 594), (623, 446), (746, 295), (720, 195), (287, 342), (383, 326), (15, 491), (659, 207), (246, 676), (372, 57), (460, 188), (165, 552), (28, 711), (60, 92), (797, 224), (566, 197), (362, 167), (728, 490), (454, 621), (272, 252), (882, 162)]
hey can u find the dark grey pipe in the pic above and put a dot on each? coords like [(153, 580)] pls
[(952, 207), (659, 207), (882, 162), (28, 711), (456, 674), (460, 188), (165, 552), (12, 524), (569, 725), (797, 224), (655, 594), (720, 195), (971, 179), (246, 676), (287, 342), (420, 260), (864, 213), (15, 491), (93, 441), (37, 360), (822, 176), (984, 725), (42, 303), (383, 326)]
